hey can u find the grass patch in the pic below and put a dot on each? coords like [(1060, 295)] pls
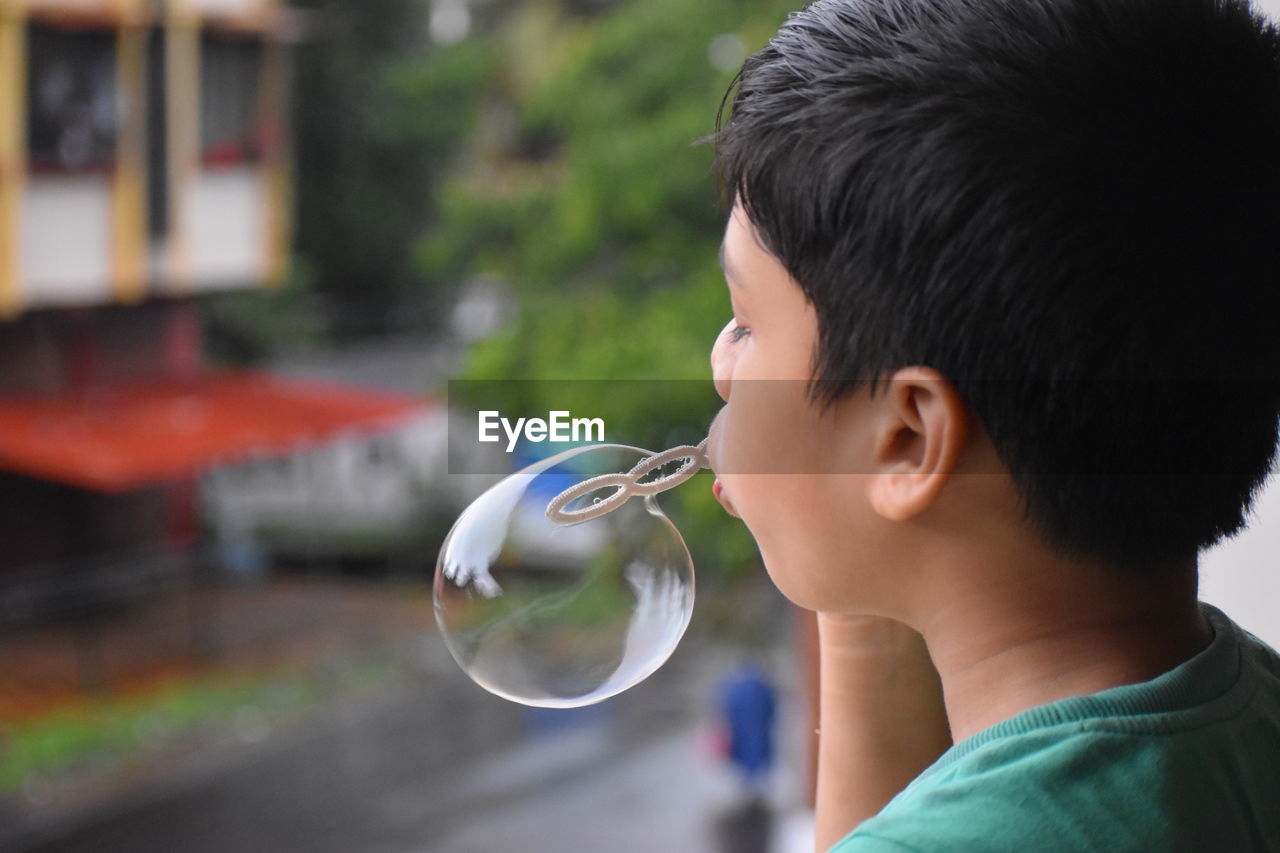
[(126, 730)]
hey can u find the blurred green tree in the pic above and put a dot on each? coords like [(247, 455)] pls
[(379, 115), (583, 190)]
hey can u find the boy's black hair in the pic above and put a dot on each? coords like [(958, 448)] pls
[(1070, 208)]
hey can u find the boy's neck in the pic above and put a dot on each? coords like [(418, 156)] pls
[(1009, 640)]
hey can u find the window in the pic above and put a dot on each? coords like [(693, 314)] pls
[(73, 115), (230, 124)]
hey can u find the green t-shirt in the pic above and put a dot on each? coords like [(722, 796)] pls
[(1189, 761)]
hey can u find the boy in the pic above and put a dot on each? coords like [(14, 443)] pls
[(1003, 360)]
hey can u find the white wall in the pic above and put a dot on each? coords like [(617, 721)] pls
[(224, 7), (66, 239), (228, 231), (73, 5), (337, 486), (1269, 7), (1242, 576)]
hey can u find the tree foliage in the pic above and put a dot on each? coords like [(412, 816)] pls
[(587, 193), (378, 119)]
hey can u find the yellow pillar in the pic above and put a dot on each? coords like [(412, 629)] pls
[(13, 153), (128, 185), (182, 101), (276, 163)]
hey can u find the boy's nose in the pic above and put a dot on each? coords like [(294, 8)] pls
[(722, 362)]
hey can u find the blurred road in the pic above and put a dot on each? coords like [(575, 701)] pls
[(431, 764)]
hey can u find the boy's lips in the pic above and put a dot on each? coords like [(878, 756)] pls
[(713, 442), (717, 489)]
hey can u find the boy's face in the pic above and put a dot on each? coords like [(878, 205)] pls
[(773, 450)]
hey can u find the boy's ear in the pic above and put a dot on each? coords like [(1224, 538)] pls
[(921, 432)]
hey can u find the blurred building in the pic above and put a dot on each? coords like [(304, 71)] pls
[(144, 163), (143, 148)]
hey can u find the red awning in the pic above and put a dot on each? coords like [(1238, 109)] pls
[(122, 437)]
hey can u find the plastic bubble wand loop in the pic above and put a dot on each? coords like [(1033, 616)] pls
[(627, 485)]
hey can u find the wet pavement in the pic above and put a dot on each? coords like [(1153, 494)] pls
[(428, 762)]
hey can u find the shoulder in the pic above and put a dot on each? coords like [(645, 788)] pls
[(1185, 762), (1066, 790)]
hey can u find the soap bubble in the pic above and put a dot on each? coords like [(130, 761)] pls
[(556, 615)]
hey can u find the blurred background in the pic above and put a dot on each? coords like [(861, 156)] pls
[(244, 246)]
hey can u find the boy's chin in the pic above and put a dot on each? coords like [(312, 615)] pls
[(788, 577)]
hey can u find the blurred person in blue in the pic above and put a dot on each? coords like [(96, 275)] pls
[(748, 705), (1005, 280)]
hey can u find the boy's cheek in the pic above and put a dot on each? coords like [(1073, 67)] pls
[(733, 442), (766, 428)]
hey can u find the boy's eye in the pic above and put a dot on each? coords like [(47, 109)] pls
[(737, 333)]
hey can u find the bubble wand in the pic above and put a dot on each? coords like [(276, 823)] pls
[(628, 485), (548, 598)]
